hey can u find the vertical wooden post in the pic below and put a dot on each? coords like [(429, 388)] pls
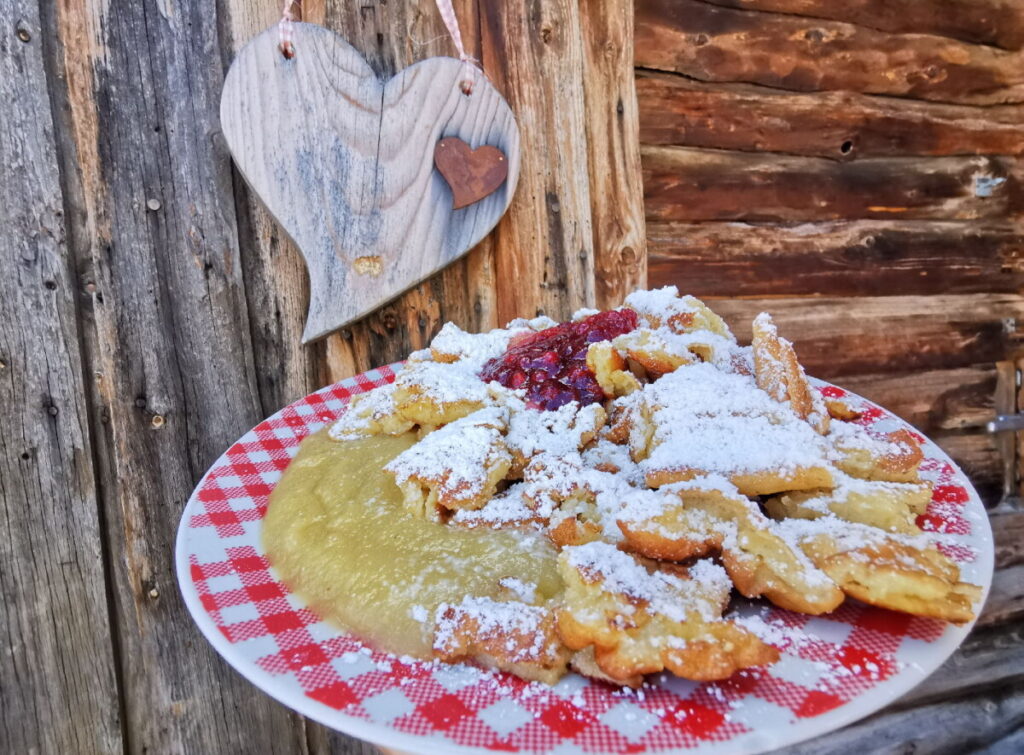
[(57, 680), (172, 378), (613, 150), (544, 247)]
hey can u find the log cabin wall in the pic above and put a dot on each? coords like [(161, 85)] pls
[(855, 168)]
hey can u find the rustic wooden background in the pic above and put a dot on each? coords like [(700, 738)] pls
[(854, 167)]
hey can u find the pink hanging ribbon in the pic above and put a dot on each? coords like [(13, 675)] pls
[(286, 31), (444, 7), (286, 28)]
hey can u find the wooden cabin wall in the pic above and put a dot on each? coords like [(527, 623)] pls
[(855, 168), (155, 315)]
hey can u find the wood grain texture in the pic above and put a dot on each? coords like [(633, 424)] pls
[(838, 337), (790, 52), (151, 218), (992, 22), (59, 692), (613, 150), (678, 110), (544, 247), (345, 163), (947, 727), (392, 36), (686, 184), (837, 258)]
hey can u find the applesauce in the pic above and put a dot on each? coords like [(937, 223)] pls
[(338, 535)]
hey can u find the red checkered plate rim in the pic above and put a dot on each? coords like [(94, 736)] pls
[(834, 669)]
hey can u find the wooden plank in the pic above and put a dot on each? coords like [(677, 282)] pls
[(949, 726), (934, 400), (837, 258), (1005, 603), (838, 337), (59, 692), (1008, 530), (153, 224), (992, 22), (977, 455), (790, 52), (544, 247), (677, 110), (613, 150), (990, 656), (686, 184)]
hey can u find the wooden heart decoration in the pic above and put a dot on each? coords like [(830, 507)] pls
[(471, 173), (345, 163)]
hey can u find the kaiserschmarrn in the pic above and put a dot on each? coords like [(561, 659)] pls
[(636, 468)]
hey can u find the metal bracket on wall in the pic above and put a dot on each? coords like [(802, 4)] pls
[(1005, 429)]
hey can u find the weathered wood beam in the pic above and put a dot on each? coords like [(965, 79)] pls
[(837, 258), (153, 223), (613, 150), (677, 110), (873, 335), (947, 727), (58, 690), (992, 22), (686, 184), (934, 400), (544, 246), (803, 54)]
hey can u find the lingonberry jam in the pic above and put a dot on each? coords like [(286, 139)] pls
[(551, 365)]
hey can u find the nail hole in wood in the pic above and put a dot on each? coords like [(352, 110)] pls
[(846, 147), (50, 285)]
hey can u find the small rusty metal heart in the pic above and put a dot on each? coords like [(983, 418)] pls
[(472, 174)]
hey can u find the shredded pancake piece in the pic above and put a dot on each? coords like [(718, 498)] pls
[(782, 377), (456, 467), (510, 635), (699, 420), (889, 506), (642, 620), (891, 571), (707, 516)]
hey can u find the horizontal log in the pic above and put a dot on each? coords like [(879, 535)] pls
[(934, 400), (1008, 530), (686, 184), (676, 110), (977, 455), (947, 727), (836, 258), (1005, 602), (992, 22), (803, 54), (838, 337), (990, 656)]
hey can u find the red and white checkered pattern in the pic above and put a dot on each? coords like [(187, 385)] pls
[(858, 657)]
